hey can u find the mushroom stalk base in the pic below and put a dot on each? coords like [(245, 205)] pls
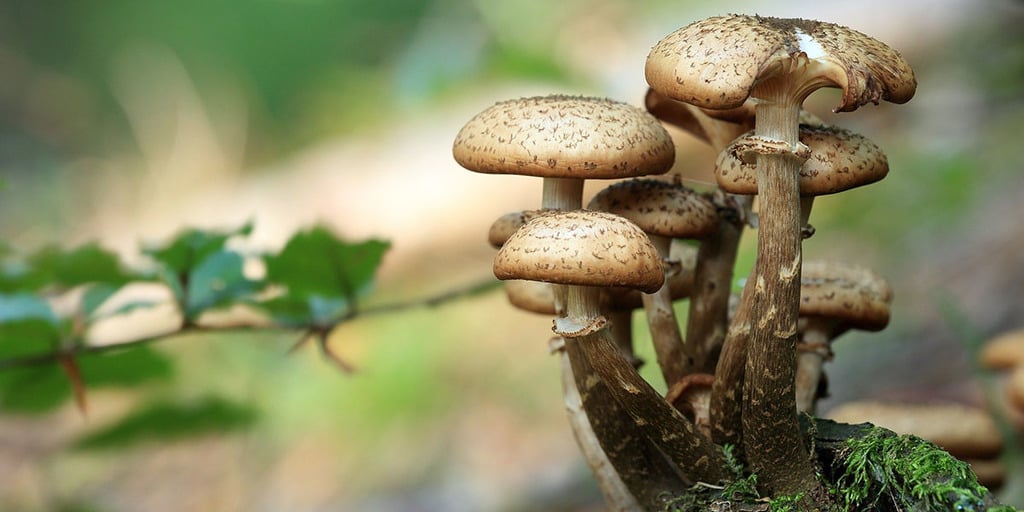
[(600, 368)]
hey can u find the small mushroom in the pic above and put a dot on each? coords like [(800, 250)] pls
[(664, 210), (833, 299), (587, 250)]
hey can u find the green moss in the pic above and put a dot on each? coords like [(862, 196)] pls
[(882, 469)]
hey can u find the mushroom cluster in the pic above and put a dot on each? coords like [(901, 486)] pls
[(738, 379)]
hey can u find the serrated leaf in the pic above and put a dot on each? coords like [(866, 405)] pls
[(192, 246), (88, 263), (166, 421), (218, 281), (321, 274)]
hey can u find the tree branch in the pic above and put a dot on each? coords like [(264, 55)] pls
[(440, 299)]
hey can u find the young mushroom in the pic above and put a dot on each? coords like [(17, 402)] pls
[(664, 210), (588, 250), (833, 299), (719, 63)]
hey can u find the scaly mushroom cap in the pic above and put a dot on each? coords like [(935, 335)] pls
[(715, 63), (839, 160), (679, 273), (963, 431), (857, 297), (658, 207), (504, 226), (564, 137), (581, 248)]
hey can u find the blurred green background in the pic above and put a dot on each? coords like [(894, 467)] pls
[(124, 121)]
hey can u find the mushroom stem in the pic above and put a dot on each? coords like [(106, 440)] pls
[(727, 390), (806, 204), (771, 428), (616, 493), (661, 318), (592, 352), (709, 304), (812, 352), (562, 194), (621, 326)]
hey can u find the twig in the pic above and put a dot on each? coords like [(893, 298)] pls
[(395, 307)]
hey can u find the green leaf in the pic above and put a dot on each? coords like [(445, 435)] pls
[(89, 263), (183, 255), (192, 246), (322, 274), (27, 326), (40, 389), (128, 367), (33, 390), (218, 281), (166, 421)]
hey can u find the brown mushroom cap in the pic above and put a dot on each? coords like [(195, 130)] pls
[(839, 160), (532, 296), (659, 208), (963, 431), (504, 226), (584, 248), (715, 63), (857, 297), (682, 265), (564, 137), (1004, 351)]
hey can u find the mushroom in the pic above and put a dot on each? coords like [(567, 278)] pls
[(587, 250), (1005, 354), (719, 63), (838, 161), (663, 210), (504, 226), (834, 298), (565, 140)]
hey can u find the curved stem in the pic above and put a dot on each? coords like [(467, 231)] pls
[(661, 318), (609, 474), (594, 354)]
